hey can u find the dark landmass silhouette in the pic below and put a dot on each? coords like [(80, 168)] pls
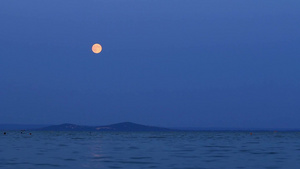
[(126, 126)]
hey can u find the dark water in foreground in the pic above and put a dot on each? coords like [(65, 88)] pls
[(169, 150)]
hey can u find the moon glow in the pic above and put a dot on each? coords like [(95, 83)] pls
[(96, 48)]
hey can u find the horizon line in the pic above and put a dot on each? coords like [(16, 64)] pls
[(181, 128)]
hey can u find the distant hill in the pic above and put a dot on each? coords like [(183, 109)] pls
[(126, 126), (66, 127)]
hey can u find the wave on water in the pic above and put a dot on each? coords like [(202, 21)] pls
[(174, 150)]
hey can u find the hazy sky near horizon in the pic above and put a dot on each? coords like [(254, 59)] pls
[(197, 63)]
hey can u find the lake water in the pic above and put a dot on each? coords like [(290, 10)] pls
[(139, 150)]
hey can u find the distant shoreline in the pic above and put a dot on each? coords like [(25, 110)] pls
[(131, 127)]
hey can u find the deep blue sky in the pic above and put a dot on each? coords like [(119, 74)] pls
[(197, 63)]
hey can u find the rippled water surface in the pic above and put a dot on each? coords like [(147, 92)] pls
[(173, 150)]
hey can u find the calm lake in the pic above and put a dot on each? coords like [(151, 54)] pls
[(139, 150)]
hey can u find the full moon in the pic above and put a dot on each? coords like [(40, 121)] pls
[(96, 48)]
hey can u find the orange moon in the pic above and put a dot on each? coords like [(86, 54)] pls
[(96, 48)]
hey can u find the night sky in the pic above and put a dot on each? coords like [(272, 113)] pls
[(171, 63)]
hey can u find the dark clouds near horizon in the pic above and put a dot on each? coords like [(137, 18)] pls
[(198, 63)]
